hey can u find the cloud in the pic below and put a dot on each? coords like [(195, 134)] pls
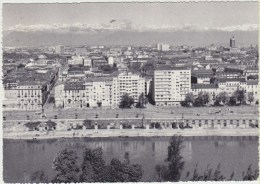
[(117, 25)]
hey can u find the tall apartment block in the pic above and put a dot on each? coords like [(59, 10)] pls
[(170, 85), (126, 82)]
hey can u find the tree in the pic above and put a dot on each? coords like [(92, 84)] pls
[(175, 161), (205, 98), (232, 100), (217, 101), (39, 177), (95, 170), (65, 165), (119, 171), (126, 101), (202, 99), (142, 101), (189, 99), (240, 95), (209, 175), (93, 163), (250, 97), (223, 97), (250, 174)]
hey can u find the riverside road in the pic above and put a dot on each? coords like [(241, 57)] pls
[(150, 112)]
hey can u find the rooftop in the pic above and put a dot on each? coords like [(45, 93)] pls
[(204, 86), (98, 79), (252, 82), (222, 80), (171, 68)]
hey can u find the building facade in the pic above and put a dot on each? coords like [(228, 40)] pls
[(25, 96), (98, 91), (171, 85)]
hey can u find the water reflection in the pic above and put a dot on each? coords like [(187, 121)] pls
[(231, 152)]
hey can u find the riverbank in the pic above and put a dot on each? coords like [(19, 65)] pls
[(131, 133)]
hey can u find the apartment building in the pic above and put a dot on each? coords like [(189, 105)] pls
[(171, 84), (211, 89), (230, 85), (26, 95), (76, 60), (127, 82), (90, 92), (98, 91), (252, 86)]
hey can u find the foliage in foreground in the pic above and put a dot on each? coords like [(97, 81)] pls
[(94, 168), (172, 172)]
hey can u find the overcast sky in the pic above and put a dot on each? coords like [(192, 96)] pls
[(205, 14)]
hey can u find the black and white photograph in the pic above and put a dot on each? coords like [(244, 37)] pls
[(105, 92)]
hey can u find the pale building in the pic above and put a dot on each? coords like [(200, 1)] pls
[(111, 61), (27, 95), (230, 85), (130, 83), (252, 86), (91, 92), (87, 62), (163, 47), (98, 91), (76, 60), (59, 49), (171, 85), (211, 89)]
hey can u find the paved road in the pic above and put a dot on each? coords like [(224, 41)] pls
[(150, 112)]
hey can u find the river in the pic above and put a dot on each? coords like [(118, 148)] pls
[(22, 157)]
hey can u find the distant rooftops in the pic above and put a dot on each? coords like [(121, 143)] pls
[(252, 82), (171, 68), (204, 86), (222, 80), (98, 79), (74, 85)]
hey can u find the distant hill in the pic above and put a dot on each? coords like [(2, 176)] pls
[(124, 37)]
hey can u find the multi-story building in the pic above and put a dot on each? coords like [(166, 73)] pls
[(87, 62), (59, 49), (90, 92), (171, 85), (232, 43), (163, 47), (230, 85), (98, 91), (76, 60), (211, 89), (130, 83), (26, 95), (252, 86)]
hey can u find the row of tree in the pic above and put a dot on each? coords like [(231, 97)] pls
[(202, 99), (94, 168), (172, 170), (222, 98)]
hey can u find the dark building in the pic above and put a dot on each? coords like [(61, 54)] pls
[(232, 42)]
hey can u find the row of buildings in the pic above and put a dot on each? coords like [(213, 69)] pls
[(168, 87), (99, 91)]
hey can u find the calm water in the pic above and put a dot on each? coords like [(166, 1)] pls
[(22, 158)]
